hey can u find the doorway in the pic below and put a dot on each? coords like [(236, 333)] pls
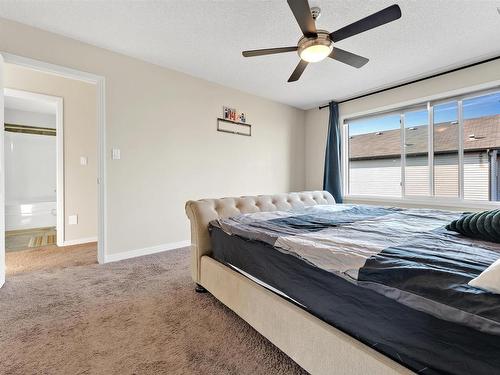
[(76, 236), (34, 170)]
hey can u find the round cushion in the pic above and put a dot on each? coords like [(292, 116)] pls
[(482, 225)]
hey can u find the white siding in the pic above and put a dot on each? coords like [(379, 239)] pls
[(446, 175), (476, 176), (380, 177), (417, 176)]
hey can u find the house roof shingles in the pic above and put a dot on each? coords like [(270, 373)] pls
[(486, 132)]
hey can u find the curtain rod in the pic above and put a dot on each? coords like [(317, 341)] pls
[(416, 80), (14, 128)]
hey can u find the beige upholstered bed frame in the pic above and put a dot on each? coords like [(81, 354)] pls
[(315, 345)]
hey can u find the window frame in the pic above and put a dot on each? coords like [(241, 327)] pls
[(400, 108)]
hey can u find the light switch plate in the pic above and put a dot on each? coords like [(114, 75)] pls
[(115, 154), (73, 219), (83, 160)]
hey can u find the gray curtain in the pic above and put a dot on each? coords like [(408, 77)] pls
[(332, 179)]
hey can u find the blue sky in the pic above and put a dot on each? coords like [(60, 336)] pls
[(486, 105)]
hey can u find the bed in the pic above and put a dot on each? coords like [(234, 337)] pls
[(350, 289)]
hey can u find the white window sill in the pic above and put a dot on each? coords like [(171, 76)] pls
[(441, 203)]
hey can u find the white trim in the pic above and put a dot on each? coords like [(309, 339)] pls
[(451, 203), (430, 146), (402, 146), (102, 233), (146, 251), (60, 208), (45, 67), (100, 82), (460, 119), (59, 102), (78, 241), (2, 181)]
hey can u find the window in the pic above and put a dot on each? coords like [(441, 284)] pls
[(375, 156), (447, 150), (416, 150), (481, 147)]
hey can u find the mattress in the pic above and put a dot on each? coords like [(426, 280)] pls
[(413, 337)]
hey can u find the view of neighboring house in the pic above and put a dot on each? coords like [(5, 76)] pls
[(375, 160)]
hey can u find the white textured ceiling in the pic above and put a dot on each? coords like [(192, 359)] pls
[(205, 39), (30, 105)]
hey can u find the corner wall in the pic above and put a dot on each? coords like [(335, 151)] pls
[(164, 122)]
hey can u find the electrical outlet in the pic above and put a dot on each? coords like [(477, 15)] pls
[(83, 160), (73, 219)]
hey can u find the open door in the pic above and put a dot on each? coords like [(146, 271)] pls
[(2, 182)]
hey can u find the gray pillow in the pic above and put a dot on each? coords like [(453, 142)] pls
[(483, 225)]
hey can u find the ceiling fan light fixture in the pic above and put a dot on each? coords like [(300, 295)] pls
[(315, 49), (315, 53)]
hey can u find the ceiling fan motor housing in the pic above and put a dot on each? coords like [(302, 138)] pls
[(323, 39)]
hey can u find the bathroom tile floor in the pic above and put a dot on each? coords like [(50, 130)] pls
[(17, 240)]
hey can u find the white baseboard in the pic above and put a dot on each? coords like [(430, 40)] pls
[(145, 251), (78, 241)]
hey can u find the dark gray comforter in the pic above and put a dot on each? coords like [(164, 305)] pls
[(404, 254)]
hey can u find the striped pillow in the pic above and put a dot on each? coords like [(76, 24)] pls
[(482, 225)]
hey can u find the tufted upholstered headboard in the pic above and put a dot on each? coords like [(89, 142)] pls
[(201, 212)]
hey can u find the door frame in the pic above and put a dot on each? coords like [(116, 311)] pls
[(2, 180), (100, 83), (59, 102)]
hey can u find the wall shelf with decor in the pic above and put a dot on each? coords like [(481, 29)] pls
[(234, 127)]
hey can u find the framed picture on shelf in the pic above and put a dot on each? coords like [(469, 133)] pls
[(229, 114)]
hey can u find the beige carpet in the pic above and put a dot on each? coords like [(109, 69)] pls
[(50, 258), (139, 316)]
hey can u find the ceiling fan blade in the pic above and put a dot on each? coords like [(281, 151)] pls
[(348, 58), (302, 13), (298, 71), (380, 18), (268, 51)]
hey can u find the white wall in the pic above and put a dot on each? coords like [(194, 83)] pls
[(30, 168), (164, 123), (317, 120), (30, 171), (20, 117), (30, 181), (316, 132)]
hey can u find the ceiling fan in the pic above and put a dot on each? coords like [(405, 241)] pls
[(316, 45)]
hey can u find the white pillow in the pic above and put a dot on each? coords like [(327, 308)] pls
[(489, 279)]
